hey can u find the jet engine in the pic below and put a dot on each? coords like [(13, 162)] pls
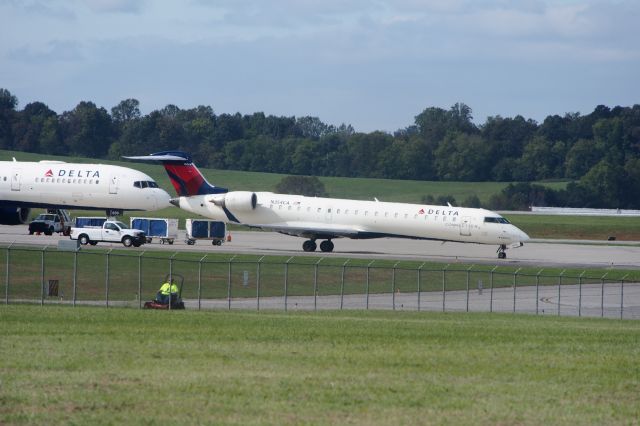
[(14, 215), (237, 200)]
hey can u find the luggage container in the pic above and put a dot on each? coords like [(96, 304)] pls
[(202, 229), (166, 230), (89, 221)]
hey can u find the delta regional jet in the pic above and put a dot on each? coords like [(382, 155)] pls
[(326, 219), (60, 185)]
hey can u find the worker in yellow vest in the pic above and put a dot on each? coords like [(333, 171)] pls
[(168, 292)]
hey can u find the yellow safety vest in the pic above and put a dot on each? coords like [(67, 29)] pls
[(168, 288)]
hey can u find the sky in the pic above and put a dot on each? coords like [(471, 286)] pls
[(374, 64)]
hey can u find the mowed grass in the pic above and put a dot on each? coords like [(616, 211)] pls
[(63, 365), (578, 227)]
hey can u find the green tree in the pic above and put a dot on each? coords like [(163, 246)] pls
[(87, 130), (126, 111), (8, 104)]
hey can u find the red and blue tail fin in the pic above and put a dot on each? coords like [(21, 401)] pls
[(184, 175)]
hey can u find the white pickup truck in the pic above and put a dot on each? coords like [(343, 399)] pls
[(111, 231)]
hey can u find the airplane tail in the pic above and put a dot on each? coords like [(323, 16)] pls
[(184, 175)]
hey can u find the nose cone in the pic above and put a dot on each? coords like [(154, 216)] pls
[(163, 199), (520, 235)]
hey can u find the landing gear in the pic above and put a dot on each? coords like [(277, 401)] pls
[(326, 246), (309, 245), (501, 253)]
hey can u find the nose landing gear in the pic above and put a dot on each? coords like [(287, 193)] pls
[(501, 252)]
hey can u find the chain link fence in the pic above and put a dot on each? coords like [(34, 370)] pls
[(50, 276)]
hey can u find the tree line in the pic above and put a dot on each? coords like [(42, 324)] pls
[(598, 152)]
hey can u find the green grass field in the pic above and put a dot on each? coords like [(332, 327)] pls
[(578, 227), (219, 276), (120, 366)]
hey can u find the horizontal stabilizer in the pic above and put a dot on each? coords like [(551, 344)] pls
[(162, 156)]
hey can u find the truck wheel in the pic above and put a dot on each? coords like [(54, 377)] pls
[(84, 239), (127, 241), (170, 241), (30, 231), (49, 231)]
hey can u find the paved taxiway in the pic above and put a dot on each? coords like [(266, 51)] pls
[(543, 252)]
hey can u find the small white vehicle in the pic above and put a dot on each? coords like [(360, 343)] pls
[(111, 231)]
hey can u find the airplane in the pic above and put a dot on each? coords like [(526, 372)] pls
[(316, 218), (60, 185)]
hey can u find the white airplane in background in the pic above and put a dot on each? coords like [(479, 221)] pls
[(60, 185), (325, 219)]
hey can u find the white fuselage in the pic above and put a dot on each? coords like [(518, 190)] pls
[(57, 184), (293, 214)]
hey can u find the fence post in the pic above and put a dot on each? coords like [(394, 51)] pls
[(420, 283), (602, 295), (515, 286), (200, 281), (468, 276), (171, 277), (6, 290), (140, 279), (106, 283), (491, 292), (559, 287), (286, 282), (580, 293), (444, 286), (393, 286), (75, 275), (229, 281), (315, 284), (42, 276), (344, 266), (367, 289), (258, 284), (538, 289), (622, 296)]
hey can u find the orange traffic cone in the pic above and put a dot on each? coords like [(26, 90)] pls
[(229, 237)]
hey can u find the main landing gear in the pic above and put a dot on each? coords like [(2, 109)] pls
[(501, 253), (325, 246)]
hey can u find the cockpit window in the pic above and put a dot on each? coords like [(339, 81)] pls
[(145, 184), (495, 220)]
